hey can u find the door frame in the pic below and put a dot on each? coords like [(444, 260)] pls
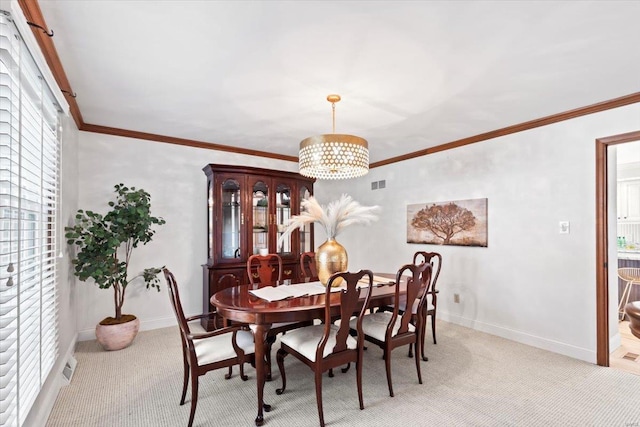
[(602, 239)]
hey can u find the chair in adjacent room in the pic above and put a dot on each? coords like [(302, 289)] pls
[(204, 352), (391, 329), (308, 269), (326, 346), (631, 276), (266, 270)]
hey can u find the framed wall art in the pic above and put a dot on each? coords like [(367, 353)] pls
[(460, 223)]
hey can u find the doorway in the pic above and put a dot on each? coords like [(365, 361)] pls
[(602, 242)]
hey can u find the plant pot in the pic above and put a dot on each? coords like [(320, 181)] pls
[(116, 336)]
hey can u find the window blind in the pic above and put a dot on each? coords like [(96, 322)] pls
[(29, 197)]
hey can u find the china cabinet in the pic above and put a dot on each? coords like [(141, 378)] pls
[(247, 211)]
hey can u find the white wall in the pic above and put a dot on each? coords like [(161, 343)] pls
[(530, 284), (629, 153), (173, 175)]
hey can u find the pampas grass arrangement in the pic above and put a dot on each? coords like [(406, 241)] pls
[(334, 218)]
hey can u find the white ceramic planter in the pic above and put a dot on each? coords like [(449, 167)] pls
[(117, 337)]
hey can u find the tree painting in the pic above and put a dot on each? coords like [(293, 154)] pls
[(461, 222)]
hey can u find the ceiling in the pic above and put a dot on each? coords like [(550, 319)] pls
[(412, 75)]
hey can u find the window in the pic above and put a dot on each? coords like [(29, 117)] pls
[(29, 197)]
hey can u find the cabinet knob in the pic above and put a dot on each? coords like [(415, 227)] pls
[(288, 272)]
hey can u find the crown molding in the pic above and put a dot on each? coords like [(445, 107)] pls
[(182, 141)]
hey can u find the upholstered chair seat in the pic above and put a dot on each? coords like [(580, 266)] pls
[(375, 325), (220, 347), (414, 308), (305, 340)]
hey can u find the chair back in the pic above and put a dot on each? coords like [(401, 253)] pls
[(418, 286), (354, 284), (433, 258), (308, 267), (174, 296), (265, 269), (228, 281), (629, 274)]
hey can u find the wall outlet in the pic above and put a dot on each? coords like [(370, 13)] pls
[(564, 227), (456, 298)]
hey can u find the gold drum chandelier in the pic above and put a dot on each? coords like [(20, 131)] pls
[(334, 156)]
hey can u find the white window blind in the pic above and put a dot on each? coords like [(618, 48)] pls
[(29, 193)]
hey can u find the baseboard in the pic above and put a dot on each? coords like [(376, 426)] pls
[(522, 337), (42, 408), (146, 325), (615, 342)]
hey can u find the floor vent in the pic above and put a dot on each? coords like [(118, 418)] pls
[(69, 369), (631, 356)]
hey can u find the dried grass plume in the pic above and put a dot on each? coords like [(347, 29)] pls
[(334, 218)]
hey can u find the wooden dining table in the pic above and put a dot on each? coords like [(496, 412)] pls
[(237, 304)]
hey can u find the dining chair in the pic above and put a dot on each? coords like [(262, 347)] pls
[(266, 270), (328, 345), (308, 269), (208, 351), (431, 304), (391, 329), (225, 281)]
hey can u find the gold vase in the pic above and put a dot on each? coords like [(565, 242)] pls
[(331, 257)]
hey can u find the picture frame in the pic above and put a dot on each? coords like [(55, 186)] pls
[(457, 223)]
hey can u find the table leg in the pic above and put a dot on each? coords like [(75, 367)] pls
[(260, 333)]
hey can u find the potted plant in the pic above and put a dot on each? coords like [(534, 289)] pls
[(104, 246)]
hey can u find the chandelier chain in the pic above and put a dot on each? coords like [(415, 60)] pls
[(333, 114)]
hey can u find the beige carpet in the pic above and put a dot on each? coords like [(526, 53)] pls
[(471, 379)]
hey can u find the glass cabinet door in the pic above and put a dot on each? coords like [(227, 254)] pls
[(232, 218), (306, 235), (260, 217), (282, 216)]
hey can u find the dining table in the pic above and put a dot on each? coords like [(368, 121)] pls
[(238, 305)]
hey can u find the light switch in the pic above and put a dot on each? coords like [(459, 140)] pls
[(564, 227)]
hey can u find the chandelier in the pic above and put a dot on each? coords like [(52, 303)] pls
[(333, 156)]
